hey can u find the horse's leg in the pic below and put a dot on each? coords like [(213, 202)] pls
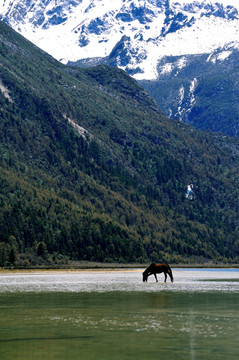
[(155, 277), (165, 274), (170, 274)]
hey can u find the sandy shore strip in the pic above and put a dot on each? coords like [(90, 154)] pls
[(77, 267), (66, 271)]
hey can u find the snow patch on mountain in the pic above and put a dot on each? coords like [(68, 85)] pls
[(219, 57), (181, 97), (192, 88), (5, 92)]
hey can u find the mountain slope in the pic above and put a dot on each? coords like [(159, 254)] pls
[(203, 93), (91, 169)]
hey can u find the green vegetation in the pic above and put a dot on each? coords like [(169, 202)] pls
[(90, 169)]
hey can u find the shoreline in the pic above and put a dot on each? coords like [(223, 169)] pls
[(98, 266)]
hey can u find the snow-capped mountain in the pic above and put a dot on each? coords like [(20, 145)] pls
[(168, 45), (147, 30)]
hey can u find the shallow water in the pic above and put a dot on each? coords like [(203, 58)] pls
[(114, 315), (192, 280)]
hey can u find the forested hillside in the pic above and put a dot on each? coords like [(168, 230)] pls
[(92, 170)]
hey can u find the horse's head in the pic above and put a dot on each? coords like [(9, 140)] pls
[(145, 276)]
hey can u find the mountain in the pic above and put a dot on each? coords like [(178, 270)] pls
[(90, 169), (176, 49), (146, 30), (203, 93)]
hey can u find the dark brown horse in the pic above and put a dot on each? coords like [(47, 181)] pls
[(154, 269)]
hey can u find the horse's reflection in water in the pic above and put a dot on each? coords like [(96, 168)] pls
[(154, 269)]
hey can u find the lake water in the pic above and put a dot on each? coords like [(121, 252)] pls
[(113, 315)]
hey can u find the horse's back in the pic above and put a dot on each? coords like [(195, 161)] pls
[(160, 267)]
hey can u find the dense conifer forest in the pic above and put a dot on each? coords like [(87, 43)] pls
[(90, 169)]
